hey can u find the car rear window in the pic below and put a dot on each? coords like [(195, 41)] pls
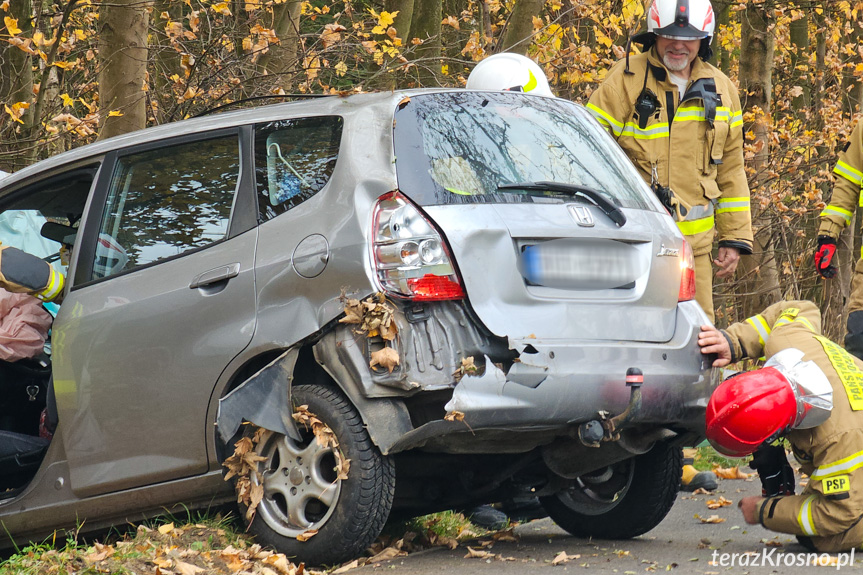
[(294, 160), (458, 147)]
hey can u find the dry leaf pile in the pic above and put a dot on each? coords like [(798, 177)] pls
[(325, 438), (242, 464), (372, 316), (194, 549)]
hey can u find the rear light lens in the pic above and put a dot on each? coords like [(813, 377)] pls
[(410, 257), (687, 274)]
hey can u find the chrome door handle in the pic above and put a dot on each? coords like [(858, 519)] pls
[(216, 275)]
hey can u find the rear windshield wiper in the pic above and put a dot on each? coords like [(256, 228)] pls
[(597, 198)]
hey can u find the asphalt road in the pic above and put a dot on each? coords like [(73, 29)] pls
[(680, 544)]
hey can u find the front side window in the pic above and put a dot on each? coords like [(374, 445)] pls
[(294, 160), (165, 202)]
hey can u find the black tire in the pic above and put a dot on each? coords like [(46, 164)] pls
[(303, 493), (635, 498)]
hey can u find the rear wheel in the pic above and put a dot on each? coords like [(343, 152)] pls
[(623, 500), (303, 495)]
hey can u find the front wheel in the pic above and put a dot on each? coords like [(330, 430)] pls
[(623, 500), (303, 495)]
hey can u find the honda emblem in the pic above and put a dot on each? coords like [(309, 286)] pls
[(582, 216)]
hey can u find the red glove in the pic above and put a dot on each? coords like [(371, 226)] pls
[(824, 257)]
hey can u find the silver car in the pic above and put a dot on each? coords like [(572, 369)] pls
[(365, 307)]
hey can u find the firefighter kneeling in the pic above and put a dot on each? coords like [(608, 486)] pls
[(810, 391)]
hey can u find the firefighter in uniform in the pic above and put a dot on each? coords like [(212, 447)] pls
[(811, 392), (679, 120), (833, 219)]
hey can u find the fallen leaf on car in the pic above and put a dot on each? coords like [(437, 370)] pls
[(373, 316), (562, 558), (731, 473), (711, 519), (306, 535), (467, 367), (454, 416), (386, 357), (717, 503)]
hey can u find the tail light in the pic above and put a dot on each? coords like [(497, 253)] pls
[(410, 257), (687, 274)]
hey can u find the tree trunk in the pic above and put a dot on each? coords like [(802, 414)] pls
[(519, 26), (799, 32), (425, 25), (283, 59), (402, 22), (723, 18), (123, 58), (165, 59), (16, 81), (759, 270)]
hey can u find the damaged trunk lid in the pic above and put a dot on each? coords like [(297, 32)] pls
[(564, 238)]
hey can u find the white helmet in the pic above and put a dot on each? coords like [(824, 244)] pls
[(110, 257), (509, 71), (686, 19)]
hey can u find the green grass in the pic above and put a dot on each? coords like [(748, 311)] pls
[(707, 458)]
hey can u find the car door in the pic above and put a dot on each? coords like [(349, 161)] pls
[(163, 300)]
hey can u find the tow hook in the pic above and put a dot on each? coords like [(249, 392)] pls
[(592, 432)]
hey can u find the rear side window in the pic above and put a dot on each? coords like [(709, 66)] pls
[(165, 202), (294, 160)]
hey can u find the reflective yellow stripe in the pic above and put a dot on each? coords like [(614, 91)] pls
[(804, 517), (847, 370), (652, 133), (605, 119), (841, 467), (837, 211), (853, 175), (732, 205), (690, 228), (54, 287), (760, 325), (801, 320)]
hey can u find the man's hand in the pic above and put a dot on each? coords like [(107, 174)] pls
[(824, 257), (711, 340), (749, 506), (726, 260)]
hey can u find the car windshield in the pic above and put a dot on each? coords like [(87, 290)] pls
[(459, 147)]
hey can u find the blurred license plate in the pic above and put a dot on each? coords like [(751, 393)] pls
[(583, 264)]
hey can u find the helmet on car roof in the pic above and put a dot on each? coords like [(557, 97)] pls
[(684, 19), (509, 72)]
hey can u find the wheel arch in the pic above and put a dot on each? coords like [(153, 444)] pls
[(262, 394)]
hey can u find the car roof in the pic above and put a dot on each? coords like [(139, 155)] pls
[(379, 104)]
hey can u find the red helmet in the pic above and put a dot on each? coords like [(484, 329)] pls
[(748, 408)]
